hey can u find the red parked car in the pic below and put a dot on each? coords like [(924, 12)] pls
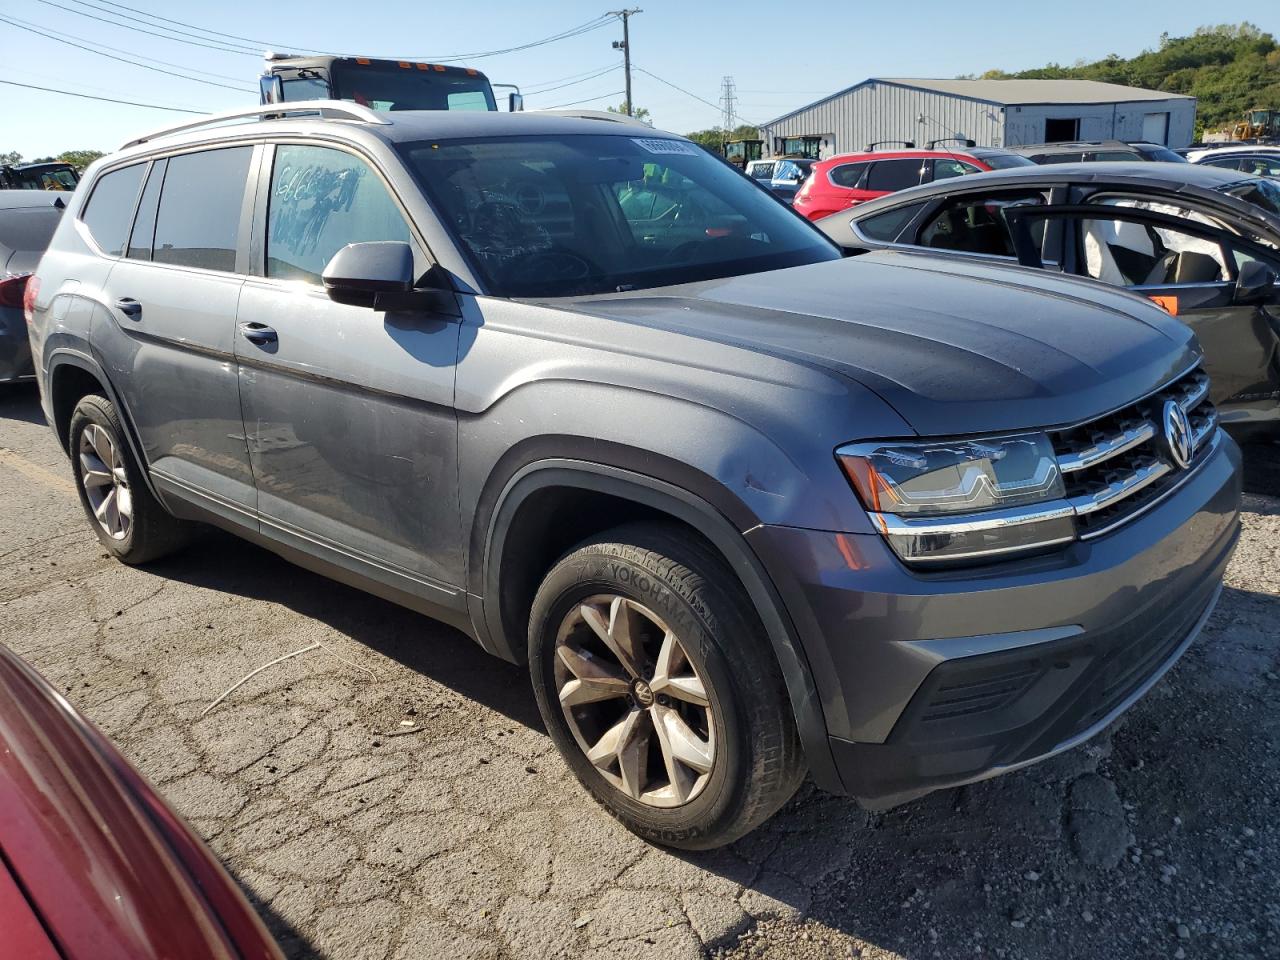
[(93, 864), (838, 183)]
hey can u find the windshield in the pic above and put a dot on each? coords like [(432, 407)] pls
[(1005, 161), (566, 216), (1261, 191), (1165, 155), (398, 89)]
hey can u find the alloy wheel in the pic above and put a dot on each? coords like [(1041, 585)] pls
[(106, 485), (636, 705)]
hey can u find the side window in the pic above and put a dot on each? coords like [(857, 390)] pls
[(1261, 166), (1059, 158), (109, 212), (893, 175), (144, 225), (978, 225), (321, 200), (847, 175), (198, 222), (1127, 253), (946, 169), (1118, 155), (1230, 163), (886, 226)]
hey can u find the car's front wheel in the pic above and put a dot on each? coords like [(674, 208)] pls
[(658, 685)]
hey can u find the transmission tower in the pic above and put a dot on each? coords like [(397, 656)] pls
[(728, 105)]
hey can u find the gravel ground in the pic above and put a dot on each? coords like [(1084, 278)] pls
[(390, 792)]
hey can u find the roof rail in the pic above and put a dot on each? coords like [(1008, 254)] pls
[(329, 109), (595, 115)]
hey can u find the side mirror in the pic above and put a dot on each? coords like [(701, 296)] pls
[(271, 89), (360, 272), (515, 102), (1256, 283)]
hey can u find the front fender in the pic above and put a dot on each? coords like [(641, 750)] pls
[(709, 521)]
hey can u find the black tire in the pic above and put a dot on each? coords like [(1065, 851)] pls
[(153, 532), (759, 762)]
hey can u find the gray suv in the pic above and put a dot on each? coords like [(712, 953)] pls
[(747, 509)]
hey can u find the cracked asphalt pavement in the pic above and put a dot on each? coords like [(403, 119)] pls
[(390, 793)]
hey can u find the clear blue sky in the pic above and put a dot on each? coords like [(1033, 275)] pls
[(782, 55)]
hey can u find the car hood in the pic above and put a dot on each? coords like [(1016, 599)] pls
[(953, 346)]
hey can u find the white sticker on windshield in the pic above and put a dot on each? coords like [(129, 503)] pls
[(656, 145)]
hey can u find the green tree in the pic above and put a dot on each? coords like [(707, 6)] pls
[(714, 138), (13, 156), (1228, 68), (80, 158), (640, 113)]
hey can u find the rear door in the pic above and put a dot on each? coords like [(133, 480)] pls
[(165, 330), (348, 411), (890, 176)]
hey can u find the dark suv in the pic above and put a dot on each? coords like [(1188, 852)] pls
[(576, 387)]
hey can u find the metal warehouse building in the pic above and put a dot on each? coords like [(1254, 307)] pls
[(994, 113)]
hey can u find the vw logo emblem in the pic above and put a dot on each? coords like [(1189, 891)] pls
[(1177, 433)]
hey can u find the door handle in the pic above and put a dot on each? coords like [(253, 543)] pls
[(258, 333), (130, 307)]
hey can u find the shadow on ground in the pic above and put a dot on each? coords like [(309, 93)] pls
[(20, 401)]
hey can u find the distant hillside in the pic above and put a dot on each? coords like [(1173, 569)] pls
[(1230, 68)]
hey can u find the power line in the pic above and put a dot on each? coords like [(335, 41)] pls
[(713, 106), (130, 53), (216, 33), (197, 42), (578, 31), (603, 96), (572, 76), (238, 48), (574, 83), (86, 96), (134, 63)]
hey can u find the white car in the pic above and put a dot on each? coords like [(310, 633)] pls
[(1202, 155)]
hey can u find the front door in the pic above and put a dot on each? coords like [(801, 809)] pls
[(169, 324), (1190, 265), (348, 411)]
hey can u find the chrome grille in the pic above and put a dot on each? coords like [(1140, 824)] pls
[(1118, 465)]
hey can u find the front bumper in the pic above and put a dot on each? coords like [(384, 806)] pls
[(935, 679)]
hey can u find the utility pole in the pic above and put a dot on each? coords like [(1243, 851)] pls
[(625, 46)]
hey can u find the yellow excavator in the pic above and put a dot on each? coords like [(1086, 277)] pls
[(1257, 125)]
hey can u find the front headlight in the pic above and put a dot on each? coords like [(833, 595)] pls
[(962, 499)]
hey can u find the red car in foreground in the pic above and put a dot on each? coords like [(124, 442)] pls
[(93, 864), (844, 181)]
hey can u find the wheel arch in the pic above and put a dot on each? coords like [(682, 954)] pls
[(70, 375), (496, 610)]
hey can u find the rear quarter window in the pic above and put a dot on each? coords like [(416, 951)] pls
[(847, 175), (109, 211), (888, 225)]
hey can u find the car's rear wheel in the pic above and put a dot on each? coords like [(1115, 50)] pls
[(658, 685), (128, 520)]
